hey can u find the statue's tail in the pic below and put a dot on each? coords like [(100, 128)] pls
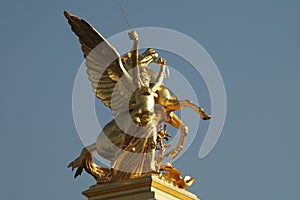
[(85, 161)]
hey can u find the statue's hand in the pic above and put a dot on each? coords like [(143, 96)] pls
[(161, 62), (133, 35)]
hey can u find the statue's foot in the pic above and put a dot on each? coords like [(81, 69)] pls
[(204, 115)]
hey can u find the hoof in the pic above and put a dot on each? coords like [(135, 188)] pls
[(206, 117)]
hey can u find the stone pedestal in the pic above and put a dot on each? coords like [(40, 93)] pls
[(144, 188)]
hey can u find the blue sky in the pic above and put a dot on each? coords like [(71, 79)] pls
[(255, 45)]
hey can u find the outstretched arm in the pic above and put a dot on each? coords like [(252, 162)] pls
[(134, 52), (159, 81)]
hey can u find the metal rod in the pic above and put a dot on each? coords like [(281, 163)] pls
[(124, 15)]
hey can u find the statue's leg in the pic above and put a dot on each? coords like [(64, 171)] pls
[(174, 120), (173, 104)]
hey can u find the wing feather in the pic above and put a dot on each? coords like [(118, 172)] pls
[(104, 65)]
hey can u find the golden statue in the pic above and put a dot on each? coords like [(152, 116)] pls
[(134, 141)]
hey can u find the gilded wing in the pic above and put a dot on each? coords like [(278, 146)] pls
[(104, 66)]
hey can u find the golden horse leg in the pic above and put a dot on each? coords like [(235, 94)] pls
[(173, 104), (174, 120)]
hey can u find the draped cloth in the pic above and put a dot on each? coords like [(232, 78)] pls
[(137, 157)]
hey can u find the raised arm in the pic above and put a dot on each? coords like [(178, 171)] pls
[(134, 52), (160, 78)]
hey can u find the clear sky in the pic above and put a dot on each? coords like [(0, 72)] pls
[(255, 45)]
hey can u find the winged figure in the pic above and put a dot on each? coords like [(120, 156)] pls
[(139, 102)]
